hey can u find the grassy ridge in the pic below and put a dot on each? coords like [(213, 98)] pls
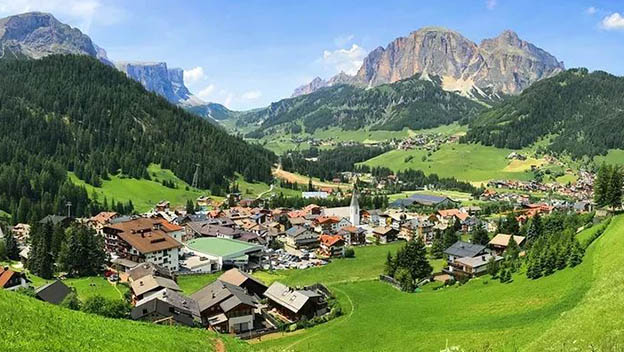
[(31, 325)]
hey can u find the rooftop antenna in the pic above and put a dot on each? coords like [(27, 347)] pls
[(68, 204), (196, 176)]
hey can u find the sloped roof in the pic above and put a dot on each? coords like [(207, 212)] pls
[(503, 240), (150, 282), (291, 299), (169, 297), (464, 249), (330, 240), (147, 268), (236, 277), (54, 292), (226, 295)]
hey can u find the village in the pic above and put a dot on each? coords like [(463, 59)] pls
[(234, 239)]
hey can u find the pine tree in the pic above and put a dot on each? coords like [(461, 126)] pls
[(548, 260), (11, 247), (449, 237), (437, 247), (534, 230), (614, 194), (390, 265), (492, 267), (576, 254), (480, 236), (190, 207), (511, 225), (601, 185)]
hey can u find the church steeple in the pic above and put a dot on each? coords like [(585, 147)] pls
[(354, 208)]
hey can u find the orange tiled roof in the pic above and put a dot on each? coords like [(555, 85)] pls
[(330, 240)]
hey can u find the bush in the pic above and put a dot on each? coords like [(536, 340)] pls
[(71, 302), (349, 253), (111, 308)]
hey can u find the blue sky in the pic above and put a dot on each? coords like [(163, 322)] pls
[(246, 54)]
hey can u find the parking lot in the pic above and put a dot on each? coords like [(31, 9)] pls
[(291, 259)]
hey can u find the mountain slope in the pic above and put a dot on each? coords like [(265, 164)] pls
[(499, 66), (413, 103), (32, 325), (583, 110), (75, 113)]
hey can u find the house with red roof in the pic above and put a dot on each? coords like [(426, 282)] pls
[(331, 245), (12, 280)]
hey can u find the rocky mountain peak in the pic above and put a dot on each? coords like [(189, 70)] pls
[(37, 34)]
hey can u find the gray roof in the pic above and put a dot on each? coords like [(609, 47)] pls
[(185, 311), (54, 292), (478, 261), (54, 219), (147, 268), (423, 199), (226, 295), (464, 249), (150, 283), (295, 231), (294, 300), (208, 229)]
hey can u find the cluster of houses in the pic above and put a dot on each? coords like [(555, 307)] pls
[(429, 142), (235, 303)]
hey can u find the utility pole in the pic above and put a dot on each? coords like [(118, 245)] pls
[(196, 176), (68, 204)]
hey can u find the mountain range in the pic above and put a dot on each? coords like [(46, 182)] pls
[(500, 66), (35, 35)]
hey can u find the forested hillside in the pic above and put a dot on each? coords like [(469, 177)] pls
[(74, 113), (584, 111), (411, 103)]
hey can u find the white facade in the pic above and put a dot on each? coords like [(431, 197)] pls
[(168, 258)]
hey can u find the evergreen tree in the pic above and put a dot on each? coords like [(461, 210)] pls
[(190, 207), (480, 236), (41, 260), (548, 261), (510, 225), (390, 265), (11, 247), (535, 229), (449, 237), (492, 267), (437, 246), (405, 279), (576, 254), (601, 185), (614, 194), (83, 252)]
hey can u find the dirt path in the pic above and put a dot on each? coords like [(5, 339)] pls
[(219, 345)]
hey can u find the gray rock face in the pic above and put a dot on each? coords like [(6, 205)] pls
[(316, 84), (157, 78), (502, 65), (35, 35)]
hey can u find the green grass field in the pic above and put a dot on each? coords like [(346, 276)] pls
[(193, 283), (614, 156), (29, 325), (143, 193), (454, 195), (483, 315), (468, 162)]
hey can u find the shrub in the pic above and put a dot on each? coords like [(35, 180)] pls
[(349, 252)]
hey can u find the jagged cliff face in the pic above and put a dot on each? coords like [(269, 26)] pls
[(35, 35), (157, 78), (502, 65)]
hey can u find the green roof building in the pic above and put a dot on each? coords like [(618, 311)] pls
[(226, 252)]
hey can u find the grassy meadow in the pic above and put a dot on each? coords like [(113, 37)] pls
[(468, 162), (143, 193)]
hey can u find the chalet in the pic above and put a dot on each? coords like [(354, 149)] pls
[(473, 266), (245, 281), (226, 308), (372, 217), (203, 201), (148, 285), (54, 292), (295, 304), (499, 243), (102, 219), (145, 240), (182, 220), (57, 220), (353, 235), (385, 234), (146, 269), (331, 245), (326, 224), (461, 250), (419, 226), (167, 306), (583, 207), (301, 237), (12, 280), (163, 205), (317, 195), (21, 232)]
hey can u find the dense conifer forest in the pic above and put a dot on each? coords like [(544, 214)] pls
[(581, 110), (73, 113)]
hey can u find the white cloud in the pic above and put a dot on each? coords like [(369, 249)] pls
[(347, 60), (78, 13), (591, 10), (194, 75), (206, 93), (343, 40), (252, 95), (613, 21), (491, 4), (227, 102)]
